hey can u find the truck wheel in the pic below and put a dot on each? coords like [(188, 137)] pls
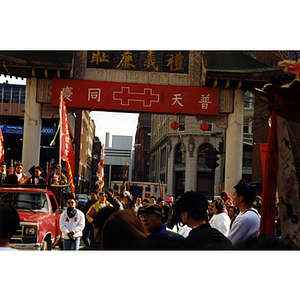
[(45, 246)]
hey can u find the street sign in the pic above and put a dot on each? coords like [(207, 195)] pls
[(136, 97)]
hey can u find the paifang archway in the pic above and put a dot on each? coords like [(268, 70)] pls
[(210, 86)]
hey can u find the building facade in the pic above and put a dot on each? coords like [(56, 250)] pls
[(83, 142), (82, 132), (116, 157), (177, 157), (142, 148)]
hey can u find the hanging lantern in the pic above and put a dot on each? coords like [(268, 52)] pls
[(174, 125), (204, 126)]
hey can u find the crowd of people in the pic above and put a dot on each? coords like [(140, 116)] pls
[(191, 222)]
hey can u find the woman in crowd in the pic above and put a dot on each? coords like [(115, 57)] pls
[(220, 219), (123, 231), (98, 224)]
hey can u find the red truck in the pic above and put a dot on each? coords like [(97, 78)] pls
[(39, 217)]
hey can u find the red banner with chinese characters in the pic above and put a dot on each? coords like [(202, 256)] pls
[(1, 147), (66, 147), (136, 97)]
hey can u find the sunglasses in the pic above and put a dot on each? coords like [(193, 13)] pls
[(70, 202)]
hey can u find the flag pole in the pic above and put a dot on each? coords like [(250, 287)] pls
[(60, 134)]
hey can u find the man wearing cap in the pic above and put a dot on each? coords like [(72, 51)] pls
[(37, 178), (2, 171), (151, 217), (57, 177)]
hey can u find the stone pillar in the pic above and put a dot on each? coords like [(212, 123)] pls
[(170, 170), (32, 127), (191, 166), (234, 143)]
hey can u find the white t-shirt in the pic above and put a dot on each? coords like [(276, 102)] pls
[(245, 225), (7, 249), (221, 222), (183, 230)]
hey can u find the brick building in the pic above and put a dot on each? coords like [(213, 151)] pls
[(141, 149)]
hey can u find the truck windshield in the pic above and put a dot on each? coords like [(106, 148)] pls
[(26, 201)]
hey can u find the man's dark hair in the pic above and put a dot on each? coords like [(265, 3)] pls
[(195, 204), (110, 190), (3, 163), (219, 204), (145, 200), (153, 197), (19, 164), (9, 220), (234, 208), (102, 216), (247, 191)]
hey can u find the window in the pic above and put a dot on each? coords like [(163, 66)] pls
[(247, 156), (201, 153), (248, 125), (153, 163), (163, 157), (180, 154), (181, 121), (248, 100)]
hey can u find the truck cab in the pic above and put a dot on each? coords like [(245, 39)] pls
[(39, 214)]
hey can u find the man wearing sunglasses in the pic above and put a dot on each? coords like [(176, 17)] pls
[(22, 178), (37, 178), (72, 223)]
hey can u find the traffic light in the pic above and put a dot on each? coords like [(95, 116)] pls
[(211, 158), (221, 147), (214, 158)]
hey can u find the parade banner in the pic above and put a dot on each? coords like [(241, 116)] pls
[(1, 147), (66, 147), (100, 171), (282, 170), (136, 97)]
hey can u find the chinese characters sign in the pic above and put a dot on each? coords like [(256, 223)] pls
[(136, 97), (153, 61)]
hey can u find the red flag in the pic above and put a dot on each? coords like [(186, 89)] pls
[(1, 147), (100, 171), (66, 146)]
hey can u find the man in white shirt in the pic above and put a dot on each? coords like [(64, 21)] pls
[(247, 223), (138, 204)]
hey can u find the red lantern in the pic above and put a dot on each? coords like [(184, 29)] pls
[(204, 126), (174, 125)]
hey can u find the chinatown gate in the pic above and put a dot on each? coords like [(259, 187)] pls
[(159, 82)]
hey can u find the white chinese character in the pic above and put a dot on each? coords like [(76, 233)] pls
[(176, 98), (94, 94), (67, 93), (205, 100)]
